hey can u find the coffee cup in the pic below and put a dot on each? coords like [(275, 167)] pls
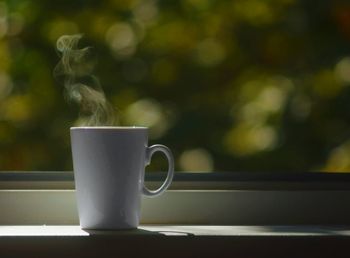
[(109, 169)]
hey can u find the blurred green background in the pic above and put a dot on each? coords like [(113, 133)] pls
[(245, 85)]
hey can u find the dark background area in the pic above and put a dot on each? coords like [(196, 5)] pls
[(227, 85)]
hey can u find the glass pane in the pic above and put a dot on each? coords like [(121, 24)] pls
[(244, 85)]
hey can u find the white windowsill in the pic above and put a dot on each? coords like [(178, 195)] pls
[(190, 207), (178, 230), (199, 223)]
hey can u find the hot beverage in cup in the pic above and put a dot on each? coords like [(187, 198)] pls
[(109, 168)]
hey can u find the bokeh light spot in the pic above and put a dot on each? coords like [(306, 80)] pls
[(342, 70), (339, 159), (121, 39), (196, 160), (244, 140), (272, 98), (149, 113), (146, 11)]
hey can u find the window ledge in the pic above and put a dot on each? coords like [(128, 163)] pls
[(178, 231), (190, 207), (171, 241)]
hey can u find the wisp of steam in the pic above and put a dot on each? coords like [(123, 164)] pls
[(81, 86)]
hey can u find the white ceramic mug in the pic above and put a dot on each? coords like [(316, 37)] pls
[(109, 167)]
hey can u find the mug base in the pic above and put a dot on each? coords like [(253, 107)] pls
[(99, 231)]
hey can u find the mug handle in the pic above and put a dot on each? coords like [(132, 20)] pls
[(149, 153)]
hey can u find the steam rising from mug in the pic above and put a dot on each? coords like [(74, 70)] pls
[(81, 87)]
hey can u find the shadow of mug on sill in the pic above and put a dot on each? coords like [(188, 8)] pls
[(109, 167)]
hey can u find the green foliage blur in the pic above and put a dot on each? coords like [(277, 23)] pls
[(245, 85)]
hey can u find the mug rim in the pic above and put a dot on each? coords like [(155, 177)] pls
[(109, 127)]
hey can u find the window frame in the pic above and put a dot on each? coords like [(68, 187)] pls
[(64, 180), (37, 198)]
